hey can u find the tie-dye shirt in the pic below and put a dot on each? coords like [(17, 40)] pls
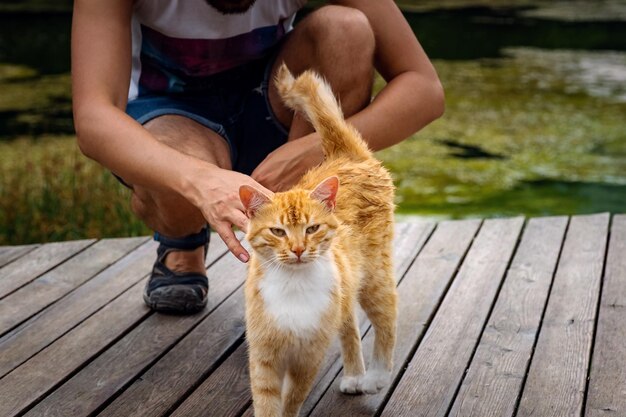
[(177, 41)]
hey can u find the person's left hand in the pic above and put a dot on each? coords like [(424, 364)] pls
[(284, 167)]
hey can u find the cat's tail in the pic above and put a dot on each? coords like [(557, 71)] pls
[(310, 94)]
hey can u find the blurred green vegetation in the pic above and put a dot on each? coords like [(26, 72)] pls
[(535, 121), (49, 192)]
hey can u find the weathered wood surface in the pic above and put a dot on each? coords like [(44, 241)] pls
[(27, 268), (495, 376), (433, 374), (10, 253), (56, 283), (497, 318), (607, 384), (561, 361)]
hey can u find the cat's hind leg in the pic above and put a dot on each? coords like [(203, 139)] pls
[(353, 366), (378, 298)]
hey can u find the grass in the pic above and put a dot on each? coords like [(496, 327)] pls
[(50, 192)]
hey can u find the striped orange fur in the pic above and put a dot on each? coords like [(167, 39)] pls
[(318, 249)]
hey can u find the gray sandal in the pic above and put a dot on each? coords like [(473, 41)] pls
[(172, 292)]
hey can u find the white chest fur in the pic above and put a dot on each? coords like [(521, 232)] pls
[(298, 297)]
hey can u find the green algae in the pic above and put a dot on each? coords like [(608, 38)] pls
[(568, 11), (34, 104), (538, 119)]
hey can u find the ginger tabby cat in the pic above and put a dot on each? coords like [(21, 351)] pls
[(317, 250)]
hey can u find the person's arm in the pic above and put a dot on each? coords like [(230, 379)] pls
[(412, 98), (101, 66)]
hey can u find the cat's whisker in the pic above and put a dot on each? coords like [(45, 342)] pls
[(268, 261)]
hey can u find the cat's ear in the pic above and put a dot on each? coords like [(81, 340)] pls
[(326, 192), (252, 199)]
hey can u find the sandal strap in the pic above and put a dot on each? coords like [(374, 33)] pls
[(188, 242), (164, 281)]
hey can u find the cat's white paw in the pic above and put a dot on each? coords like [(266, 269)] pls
[(374, 380), (351, 384), (370, 383)]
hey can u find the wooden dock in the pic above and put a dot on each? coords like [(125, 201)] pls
[(501, 317)]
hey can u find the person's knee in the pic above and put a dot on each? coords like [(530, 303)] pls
[(343, 44), (342, 30)]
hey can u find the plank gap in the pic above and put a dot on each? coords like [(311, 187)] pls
[(489, 314), (73, 373), (543, 312), (62, 280), (597, 317), (97, 410), (231, 349), (560, 360), (416, 346), (6, 338), (13, 253), (8, 289)]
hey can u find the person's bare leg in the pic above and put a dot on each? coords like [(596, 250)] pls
[(338, 42), (169, 213)]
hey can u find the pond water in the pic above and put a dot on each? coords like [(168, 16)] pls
[(535, 119)]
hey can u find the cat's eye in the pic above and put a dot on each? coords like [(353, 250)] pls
[(277, 232), (312, 229)]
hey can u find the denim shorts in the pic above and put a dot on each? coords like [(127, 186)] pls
[(233, 104)]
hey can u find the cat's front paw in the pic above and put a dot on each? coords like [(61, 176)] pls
[(374, 380), (351, 384)]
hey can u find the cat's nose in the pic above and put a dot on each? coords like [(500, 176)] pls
[(298, 251)]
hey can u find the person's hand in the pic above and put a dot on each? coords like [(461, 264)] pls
[(285, 166), (215, 192)]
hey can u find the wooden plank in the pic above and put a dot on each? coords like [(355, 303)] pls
[(431, 379), (10, 253), (558, 371), (184, 367), (54, 284), (53, 322), (226, 392), (41, 330), (420, 293), (607, 384), (37, 262), (32, 380), (494, 380), (44, 371), (114, 369), (230, 399)]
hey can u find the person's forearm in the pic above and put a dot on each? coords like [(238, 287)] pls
[(109, 136), (407, 104)]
